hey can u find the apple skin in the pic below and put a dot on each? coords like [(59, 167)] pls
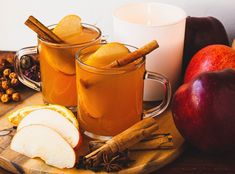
[(80, 141), (201, 32), (204, 111), (210, 58)]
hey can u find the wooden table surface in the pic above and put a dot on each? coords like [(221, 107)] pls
[(191, 161)]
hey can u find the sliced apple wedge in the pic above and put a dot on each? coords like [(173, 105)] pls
[(68, 27), (54, 120), (45, 143), (106, 54)]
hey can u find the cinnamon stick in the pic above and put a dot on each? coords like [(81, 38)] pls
[(42, 31), (154, 142), (122, 141), (160, 141), (131, 57)]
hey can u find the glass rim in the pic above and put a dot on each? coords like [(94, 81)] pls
[(66, 45), (118, 70)]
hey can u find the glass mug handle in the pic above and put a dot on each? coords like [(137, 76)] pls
[(23, 79), (157, 110)]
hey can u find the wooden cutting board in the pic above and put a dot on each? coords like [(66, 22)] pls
[(145, 161)]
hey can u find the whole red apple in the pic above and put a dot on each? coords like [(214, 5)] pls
[(201, 32), (210, 58), (204, 111)]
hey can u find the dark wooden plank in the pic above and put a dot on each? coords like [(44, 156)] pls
[(2, 171), (193, 161)]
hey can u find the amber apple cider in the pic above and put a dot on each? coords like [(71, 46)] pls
[(57, 64), (109, 101)]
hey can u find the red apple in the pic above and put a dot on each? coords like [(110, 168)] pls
[(201, 32), (204, 111), (210, 58)]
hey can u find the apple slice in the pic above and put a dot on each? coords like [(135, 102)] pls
[(54, 120), (69, 28), (16, 116), (45, 143), (107, 54)]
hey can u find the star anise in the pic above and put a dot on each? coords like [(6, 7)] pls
[(116, 162), (109, 163)]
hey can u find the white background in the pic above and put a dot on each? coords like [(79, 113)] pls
[(15, 35)]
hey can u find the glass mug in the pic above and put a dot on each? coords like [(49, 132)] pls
[(57, 67), (111, 100), (163, 22)]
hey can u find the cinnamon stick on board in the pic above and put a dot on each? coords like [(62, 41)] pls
[(162, 141), (122, 141), (42, 31)]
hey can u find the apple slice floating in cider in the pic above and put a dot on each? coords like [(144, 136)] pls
[(68, 29), (45, 143), (106, 54)]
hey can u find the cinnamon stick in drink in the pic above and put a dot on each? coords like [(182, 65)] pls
[(129, 58), (42, 31)]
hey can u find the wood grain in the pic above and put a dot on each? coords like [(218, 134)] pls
[(2, 171), (145, 161), (194, 161)]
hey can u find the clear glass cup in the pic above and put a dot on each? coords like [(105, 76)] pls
[(57, 68), (111, 100)]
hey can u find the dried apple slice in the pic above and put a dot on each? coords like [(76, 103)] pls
[(54, 120), (45, 143), (107, 54)]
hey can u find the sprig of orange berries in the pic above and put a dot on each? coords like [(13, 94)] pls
[(8, 81)]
